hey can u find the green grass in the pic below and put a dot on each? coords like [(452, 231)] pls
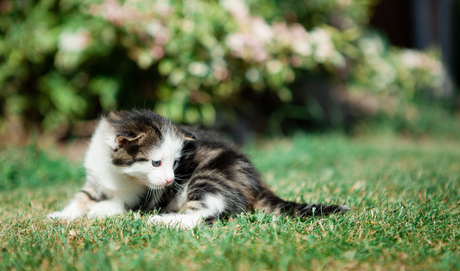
[(404, 198)]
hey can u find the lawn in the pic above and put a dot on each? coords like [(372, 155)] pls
[(404, 196)]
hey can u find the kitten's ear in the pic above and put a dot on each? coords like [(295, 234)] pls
[(122, 140), (114, 116)]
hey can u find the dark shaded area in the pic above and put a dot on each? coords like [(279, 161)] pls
[(394, 18), (420, 24)]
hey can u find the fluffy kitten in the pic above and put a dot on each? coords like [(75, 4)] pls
[(141, 161)]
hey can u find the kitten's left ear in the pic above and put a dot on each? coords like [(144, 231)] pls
[(123, 141)]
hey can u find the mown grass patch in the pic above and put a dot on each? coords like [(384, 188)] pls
[(404, 199)]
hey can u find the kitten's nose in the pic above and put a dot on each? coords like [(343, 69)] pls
[(168, 182)]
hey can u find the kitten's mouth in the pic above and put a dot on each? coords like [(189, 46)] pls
[(160, 186), (156, 187)]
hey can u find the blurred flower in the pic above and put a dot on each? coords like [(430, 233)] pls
[(323, 45), (248, 46), (300, 40), (198, 69), (372, 45), (414, 59), (385, 74), (157, 52), (261, 30), (259, 54), (253, 75), (296, 61), (163, 8), (274, 66), (73, 41), (188, 26), (117, 14), (156, 29), (220, 71), (237, 8), (344, 3), (282, 33), (236, 44)]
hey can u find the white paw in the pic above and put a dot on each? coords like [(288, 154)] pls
[(105, 208), (55, 215), (184, 222), (70, 212), (69, 216)]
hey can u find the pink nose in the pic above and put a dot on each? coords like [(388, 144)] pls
[(169, 181)]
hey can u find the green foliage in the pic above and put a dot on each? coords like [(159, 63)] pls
[(404, 214), (31, 168), (63, 61), (46, 60)]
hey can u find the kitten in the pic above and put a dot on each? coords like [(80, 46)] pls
[(141, 161)]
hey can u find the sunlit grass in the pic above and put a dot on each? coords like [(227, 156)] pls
[(404, 199)]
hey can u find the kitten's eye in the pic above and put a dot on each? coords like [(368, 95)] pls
[(176, 164), (156, 163)]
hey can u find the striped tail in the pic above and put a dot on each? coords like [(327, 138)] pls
[(277, 205)]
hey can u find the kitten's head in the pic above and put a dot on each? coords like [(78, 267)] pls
[(145, 146)]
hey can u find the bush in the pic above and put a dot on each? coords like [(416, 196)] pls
[(195, 61)]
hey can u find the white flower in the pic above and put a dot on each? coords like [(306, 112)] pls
[(324, 48), (73, 41), (261, 29), (274, 66), (252, 75), (371, 46), (414, 59), (282, 34), (156, 29), (259, 55), (302, 48), (386, 74), (163, 8), (236, 44), (198, 69), (237, 9), (300, 40)]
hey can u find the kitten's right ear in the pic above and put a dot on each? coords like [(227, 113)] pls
[(122, 141)]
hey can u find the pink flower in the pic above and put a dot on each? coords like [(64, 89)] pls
[(118, 14), (157, 52)]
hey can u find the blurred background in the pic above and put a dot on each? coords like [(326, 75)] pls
[(249, 68)]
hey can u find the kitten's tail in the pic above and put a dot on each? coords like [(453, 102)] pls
[(275, 204)]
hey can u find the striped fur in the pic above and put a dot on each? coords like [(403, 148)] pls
[(141, 161)]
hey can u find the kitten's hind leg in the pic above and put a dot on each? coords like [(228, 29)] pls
[(196, 213)]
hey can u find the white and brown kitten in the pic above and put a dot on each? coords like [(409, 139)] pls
[(141, 161)]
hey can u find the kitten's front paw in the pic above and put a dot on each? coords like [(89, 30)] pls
[(105, 209), (63, 216), (54, 215), (69, 213), (184, 222)]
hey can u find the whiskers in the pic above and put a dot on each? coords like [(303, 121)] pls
[(177, 186), (179, 181), (154, 194), (147, 198), (157, 193), (181, 178)]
